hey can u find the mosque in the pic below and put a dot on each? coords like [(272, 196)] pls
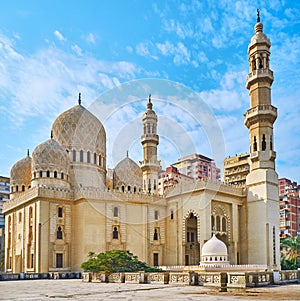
[(62, 207)]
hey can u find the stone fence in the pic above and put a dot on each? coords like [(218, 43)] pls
[(223, 281)]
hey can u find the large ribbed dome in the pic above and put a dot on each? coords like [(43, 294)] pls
[(79, 129), (50, 156), (20, 173), (128, 174)]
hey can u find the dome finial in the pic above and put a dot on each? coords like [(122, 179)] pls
[(51, 135), (79, 98), (27, 152), (149, 105), (258, 16)]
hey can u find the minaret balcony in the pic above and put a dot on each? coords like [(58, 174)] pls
[(149, 137), (260, 113), (259, 75)]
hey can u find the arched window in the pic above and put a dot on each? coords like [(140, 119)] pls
[(55, 174), (99, 162), (23, 187), (172, 214), (156, 214), (224, 224), (41, 174), (48, 174), (62, 175), (154, 184), (134, 189), (17, 188), (263, 143), (115, 233), (212, 223), (81, 156), (271, 143), (59, 234), (116, 212), (254, 144), (88, 157), (59, 212), (12, 189), (95, 158), (218, 222), (155, 236), (123, 188), (74, 155), (128, 188)]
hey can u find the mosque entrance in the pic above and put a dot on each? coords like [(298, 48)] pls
[(192, 246)]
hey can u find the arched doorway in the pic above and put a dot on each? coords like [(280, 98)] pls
[(192, 246)]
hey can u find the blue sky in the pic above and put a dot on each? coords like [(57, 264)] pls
[(52, 50)]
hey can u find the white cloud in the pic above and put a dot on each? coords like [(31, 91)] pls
[(179, 52), (59, 35), (49, 80), (91, 38), (142, 49), (77, 50)]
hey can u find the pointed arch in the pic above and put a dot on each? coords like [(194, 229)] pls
[(186, 216)]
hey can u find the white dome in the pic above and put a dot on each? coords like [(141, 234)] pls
[(214, 247), (214, 252)]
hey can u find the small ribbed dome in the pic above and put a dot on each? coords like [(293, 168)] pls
[(128, 173), (79, 129), (20, 173), (50, 156), (214, 247)]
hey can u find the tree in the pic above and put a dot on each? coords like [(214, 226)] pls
[(115, 261), (290, 252)]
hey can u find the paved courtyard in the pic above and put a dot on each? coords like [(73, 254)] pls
[(77, 290)]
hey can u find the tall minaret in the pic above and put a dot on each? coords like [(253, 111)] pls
[(150, 165), (262, 181)]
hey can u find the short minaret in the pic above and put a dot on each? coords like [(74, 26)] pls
[(150, 165), (262, 181)]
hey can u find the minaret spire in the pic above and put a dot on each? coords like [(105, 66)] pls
[(79, 98), (258, 16)]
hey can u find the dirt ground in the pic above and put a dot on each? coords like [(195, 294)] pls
[(62, 290)]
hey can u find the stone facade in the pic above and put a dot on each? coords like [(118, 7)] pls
[(66, 208)]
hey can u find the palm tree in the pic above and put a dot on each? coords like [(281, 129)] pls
[(290, 252)]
